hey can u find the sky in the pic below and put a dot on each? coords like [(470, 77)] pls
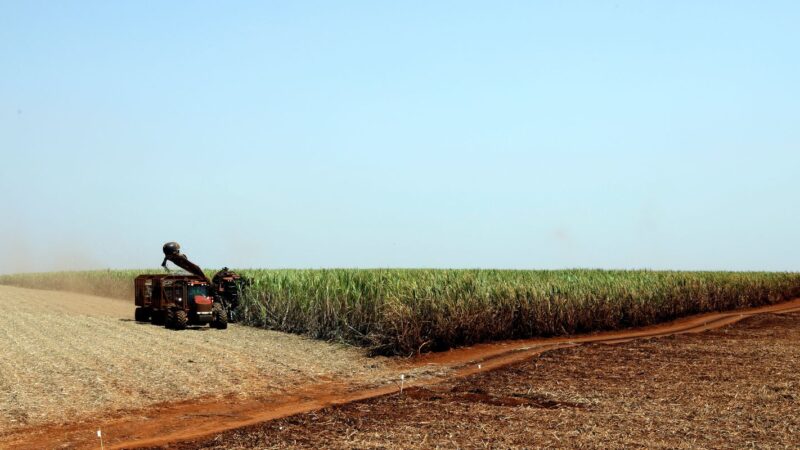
[(299, 134)]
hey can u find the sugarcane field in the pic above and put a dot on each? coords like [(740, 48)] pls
[(416, 225)]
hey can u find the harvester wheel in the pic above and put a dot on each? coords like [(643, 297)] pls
[(220, 321), (169, 319), (142, 314), (180, 320)]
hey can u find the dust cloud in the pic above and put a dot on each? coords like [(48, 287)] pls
[(21, 253)]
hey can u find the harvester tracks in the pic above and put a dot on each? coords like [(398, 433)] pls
[(189, 421)]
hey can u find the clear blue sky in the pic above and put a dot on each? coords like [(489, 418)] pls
[(530, 134)]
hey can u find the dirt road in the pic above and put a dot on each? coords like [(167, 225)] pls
[(274, 375)]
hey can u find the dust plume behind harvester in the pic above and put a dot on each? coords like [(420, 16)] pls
[(179, 300)]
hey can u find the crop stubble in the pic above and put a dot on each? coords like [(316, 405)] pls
[(67, 357)]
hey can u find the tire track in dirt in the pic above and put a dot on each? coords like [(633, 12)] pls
[(192, 420)]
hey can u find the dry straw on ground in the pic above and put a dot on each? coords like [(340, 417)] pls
[(70, 356)]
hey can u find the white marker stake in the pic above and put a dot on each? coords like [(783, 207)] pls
[(402, 381), (100, 435), (479, 367)]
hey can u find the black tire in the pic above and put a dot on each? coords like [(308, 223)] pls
[(220, 320), (142, 314), (169, 319), (180, 319)]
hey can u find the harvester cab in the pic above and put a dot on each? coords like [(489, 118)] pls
[(177, 300), (229, 287)]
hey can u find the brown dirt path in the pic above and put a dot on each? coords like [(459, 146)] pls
[(193, 420)]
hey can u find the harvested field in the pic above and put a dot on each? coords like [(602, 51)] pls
[(72, 357), (736, 387)]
